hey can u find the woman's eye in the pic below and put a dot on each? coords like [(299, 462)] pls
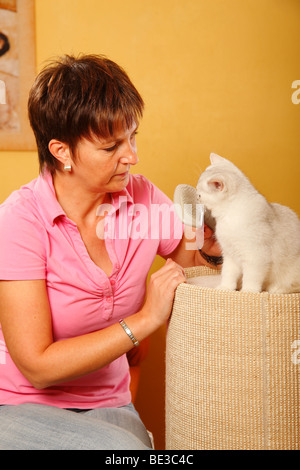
[(111, 149), (115, 146)]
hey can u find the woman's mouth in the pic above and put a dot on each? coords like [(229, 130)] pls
[(123, 175)]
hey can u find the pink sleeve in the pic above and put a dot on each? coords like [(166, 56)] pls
[(171, 228), (22, 243)]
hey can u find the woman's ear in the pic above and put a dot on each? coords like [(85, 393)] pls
[(60, 151)]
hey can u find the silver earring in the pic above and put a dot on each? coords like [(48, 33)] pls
[(67, 167)]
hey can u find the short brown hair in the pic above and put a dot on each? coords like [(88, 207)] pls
[(73, 98)]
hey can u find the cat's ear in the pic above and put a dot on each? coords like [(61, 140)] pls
[(216, 159), (216, 184)]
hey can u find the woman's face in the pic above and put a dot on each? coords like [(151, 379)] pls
[(102, 165)]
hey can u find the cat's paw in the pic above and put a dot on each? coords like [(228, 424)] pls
[(253, 290), (275, 289), (226, 287)]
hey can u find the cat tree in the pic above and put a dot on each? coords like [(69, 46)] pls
[(232, 369)]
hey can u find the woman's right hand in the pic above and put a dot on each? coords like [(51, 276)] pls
[(25, 318), (161, 292)]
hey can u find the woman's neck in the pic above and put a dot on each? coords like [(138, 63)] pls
[(79, 204)]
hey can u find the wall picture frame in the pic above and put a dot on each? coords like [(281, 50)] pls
[(17, 72)]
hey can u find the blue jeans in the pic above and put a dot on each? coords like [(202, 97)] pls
[(40, 427)]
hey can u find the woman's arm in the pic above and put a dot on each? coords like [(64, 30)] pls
[(186, 255), (25, 318)]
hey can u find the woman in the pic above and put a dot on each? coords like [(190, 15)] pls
[(74, 263)]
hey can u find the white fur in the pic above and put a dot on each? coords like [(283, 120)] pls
[(260, 241)]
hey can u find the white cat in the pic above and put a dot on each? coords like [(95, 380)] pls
[(260, 241)]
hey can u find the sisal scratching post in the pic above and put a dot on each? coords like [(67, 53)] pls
[(232, 369)]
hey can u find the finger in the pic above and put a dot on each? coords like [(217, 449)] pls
[(175, 276), (174, 265), (168, 280), (167, 271)]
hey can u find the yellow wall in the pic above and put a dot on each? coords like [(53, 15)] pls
[(215, 75)]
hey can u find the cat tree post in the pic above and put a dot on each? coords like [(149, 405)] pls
[(232, 369)]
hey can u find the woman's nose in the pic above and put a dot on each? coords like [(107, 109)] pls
[(130, 155)]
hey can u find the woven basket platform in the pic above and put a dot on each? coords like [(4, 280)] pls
[(232, 369)]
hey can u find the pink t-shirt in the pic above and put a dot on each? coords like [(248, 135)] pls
[(38, 241)]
